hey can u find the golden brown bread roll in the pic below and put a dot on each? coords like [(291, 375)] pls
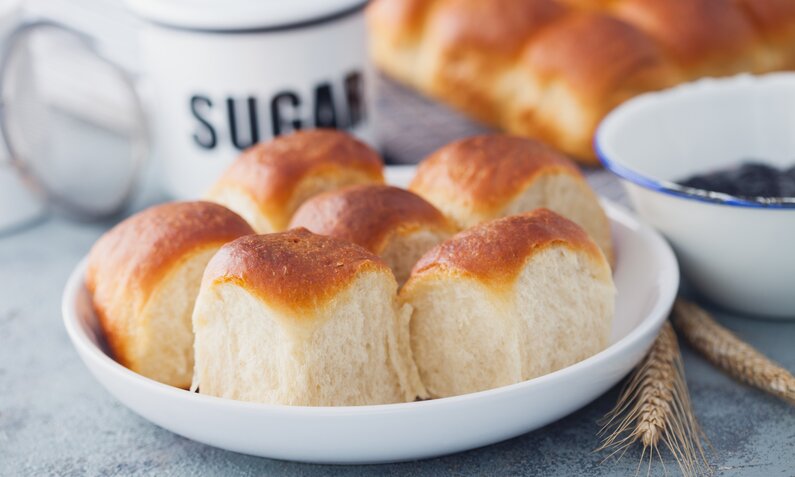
[(771, 17), (552, 69), (302, 319), (507, 301), (144, 275), (484, 177), (463, 30), (775, 21), (269, 181), (574, 73), (396, 29), (704, 37), (395, 224)]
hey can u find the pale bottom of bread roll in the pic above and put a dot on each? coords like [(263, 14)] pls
[(403, 250), (162, 348), (468, 336), (353, 351)]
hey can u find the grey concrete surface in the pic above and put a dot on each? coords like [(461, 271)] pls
[(55, 419)]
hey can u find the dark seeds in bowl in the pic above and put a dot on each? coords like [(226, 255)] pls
[(749, 180), (789, 183)]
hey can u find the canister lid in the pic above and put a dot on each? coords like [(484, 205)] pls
[(243, 15)]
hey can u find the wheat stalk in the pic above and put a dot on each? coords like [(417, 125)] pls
[(722, 348), (654, 407)]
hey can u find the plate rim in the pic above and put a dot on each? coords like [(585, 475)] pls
[(653, 320)]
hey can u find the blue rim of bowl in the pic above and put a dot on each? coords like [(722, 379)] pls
[(676, 190)]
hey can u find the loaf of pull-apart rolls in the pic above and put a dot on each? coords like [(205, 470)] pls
[(270, 180), (144, 275), (393, 223), (507, 301), (552, 69), (486, 177), (302, 319)]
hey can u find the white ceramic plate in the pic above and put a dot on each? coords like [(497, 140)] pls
[(647, 278)]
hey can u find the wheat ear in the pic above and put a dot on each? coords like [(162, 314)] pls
[(723, 349), (655, 406)]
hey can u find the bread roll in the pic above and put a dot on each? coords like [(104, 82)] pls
[(703, 37), (301, 319), (507, 301), (775, 22), (490, 176), (552, 69), (572, 75), (144, 275), (464, 29), (393, 223), (269, 181)]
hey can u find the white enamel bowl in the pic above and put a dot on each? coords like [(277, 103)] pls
[(738, 253), (647, 279)]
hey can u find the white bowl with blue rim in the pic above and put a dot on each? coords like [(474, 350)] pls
[(740, 253)]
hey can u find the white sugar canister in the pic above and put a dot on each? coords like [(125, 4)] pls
[(225, 75)]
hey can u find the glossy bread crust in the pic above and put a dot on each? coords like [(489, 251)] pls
[(368, 215), (296, 271), (595, 55), (770, 16), (501, 26), (485, 172), (693, 31), (271, 171), (399, 19), (496, 251), (140, 250)]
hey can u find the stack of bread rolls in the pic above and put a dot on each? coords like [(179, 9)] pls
[(552, 69), (305, 305)]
